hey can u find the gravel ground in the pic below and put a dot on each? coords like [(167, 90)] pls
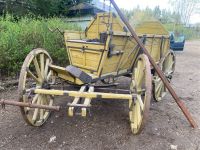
[(107, 128)]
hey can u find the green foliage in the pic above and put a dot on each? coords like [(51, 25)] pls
[(138, 15), (45, 8), (17, 39), (188, 32), (171, 20), (157, 12), (185, 9)]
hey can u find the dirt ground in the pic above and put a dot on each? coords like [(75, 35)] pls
[(107, 128)]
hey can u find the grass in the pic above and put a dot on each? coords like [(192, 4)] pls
[(18, 38)]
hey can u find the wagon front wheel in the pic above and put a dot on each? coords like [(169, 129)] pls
[(35, 73), (141, 85), (168, 67)]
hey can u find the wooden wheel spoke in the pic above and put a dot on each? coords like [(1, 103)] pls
[(170, 67), (159, 85), (162, 91), (138, 78), (137, 118), (51, 102), (134, 118), (25, 98), (35, 98), (132, 85), (45, 100), (49, 75), (167, 66), (33, 76), (135, 73), (140, 73), (36, 111), (140, 81), (42, 64), (42, 110), (157, 79), (159, 91), (139, 98), (139, 115), (46, 68), (37, 68)]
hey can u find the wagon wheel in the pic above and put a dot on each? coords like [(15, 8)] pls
[(141, 84), (35, 73), (168, 68)]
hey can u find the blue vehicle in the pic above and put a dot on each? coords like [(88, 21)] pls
[(177, 45)]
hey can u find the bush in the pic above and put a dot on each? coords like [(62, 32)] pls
[(189, 33), (18, 38)]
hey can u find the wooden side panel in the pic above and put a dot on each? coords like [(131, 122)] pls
[(104, 23), (166, 47), (73, 35), (88, 59), (157, 47), (110, 64), (153, 45), (92, 60), (122, 61), (130, 54), (77, 57)]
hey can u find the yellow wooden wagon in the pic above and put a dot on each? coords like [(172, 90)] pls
[(103, 52)]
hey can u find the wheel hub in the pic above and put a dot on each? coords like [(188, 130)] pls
[(45, 85)]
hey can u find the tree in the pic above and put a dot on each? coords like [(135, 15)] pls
[(185, 8), (168, 17), (141, 16), (44, 8), (157, 12)]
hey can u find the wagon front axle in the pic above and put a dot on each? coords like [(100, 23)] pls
[(87, 95)]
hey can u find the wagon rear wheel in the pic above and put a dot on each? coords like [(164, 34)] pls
[(141, 85), (168, 68), (35, 73)]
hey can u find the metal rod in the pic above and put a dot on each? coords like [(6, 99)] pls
[(21, 104), (157, 69)]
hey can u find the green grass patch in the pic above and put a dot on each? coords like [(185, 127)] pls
[(18, 38)]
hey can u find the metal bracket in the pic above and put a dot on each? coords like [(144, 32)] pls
[(111, 48)]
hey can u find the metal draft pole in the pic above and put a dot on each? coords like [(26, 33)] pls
[(15, 103), (157, 69)]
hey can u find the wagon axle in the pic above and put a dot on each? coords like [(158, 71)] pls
[(84, 94)]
